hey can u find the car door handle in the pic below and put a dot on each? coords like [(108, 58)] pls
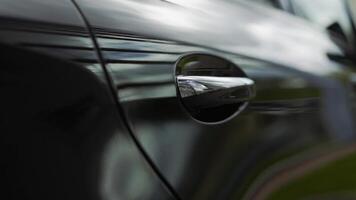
[(212, 91)]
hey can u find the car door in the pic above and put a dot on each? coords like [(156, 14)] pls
[(62, 136), (299, 117)]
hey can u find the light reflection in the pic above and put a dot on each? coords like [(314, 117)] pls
[(231, 25), (250, 143), (171, 17), (329, 11), (147, 92), (124, 172)]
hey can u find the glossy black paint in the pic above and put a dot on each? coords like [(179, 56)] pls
[(62, 136), (195, 156), (291, 120)]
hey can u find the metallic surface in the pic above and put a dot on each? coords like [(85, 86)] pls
[(62, 136), (206, 96), (212, 89), (292, 119), (207, 84), (227, 26)]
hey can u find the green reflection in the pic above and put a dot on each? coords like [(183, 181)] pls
[(336, 180)]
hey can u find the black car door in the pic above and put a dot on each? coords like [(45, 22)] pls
[(291, 122), (62, 136)]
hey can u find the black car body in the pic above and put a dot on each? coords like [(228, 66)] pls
[(91, 107)]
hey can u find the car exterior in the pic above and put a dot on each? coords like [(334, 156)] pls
[(336, 17), (92, 108)]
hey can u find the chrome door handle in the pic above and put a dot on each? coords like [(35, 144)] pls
[(236, 88), (203, 92), (212, 89)]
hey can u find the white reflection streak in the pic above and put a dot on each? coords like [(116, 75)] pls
[(296, 38), (169, 15), (260, 33)]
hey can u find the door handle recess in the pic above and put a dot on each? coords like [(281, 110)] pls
[(204, 92), (211, 88)]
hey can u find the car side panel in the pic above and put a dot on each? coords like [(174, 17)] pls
[(62, 136), (291, 127)]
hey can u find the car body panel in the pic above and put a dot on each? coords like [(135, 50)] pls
[(301, 112), (196, 22), (62, 136)]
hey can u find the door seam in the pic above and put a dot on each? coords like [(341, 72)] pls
[(138, 144)]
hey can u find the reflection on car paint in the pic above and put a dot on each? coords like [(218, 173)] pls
[(123, 173), (220, 161)]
